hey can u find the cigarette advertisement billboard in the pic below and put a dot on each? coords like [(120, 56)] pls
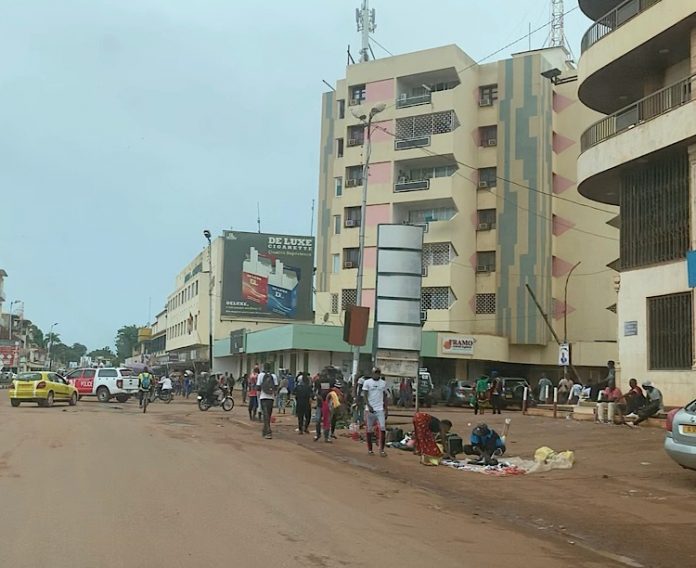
[(267, 276)]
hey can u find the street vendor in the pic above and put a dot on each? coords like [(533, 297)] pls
[(425, 427), (485, 443)]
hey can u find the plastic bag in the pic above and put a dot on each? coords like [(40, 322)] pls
[(552, 459)]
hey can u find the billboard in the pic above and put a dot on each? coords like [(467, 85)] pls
[(267, 276)]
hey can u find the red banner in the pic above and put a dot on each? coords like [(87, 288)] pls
[(9, 355)]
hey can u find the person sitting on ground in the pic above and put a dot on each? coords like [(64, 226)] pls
[(606, 406), (485, 443), (425, 427), (634, 399), (653, 406)]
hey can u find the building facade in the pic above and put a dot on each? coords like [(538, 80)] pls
[(485, 157), (638, 68)]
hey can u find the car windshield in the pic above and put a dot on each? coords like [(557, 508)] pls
[(126, 372), (29, 377)]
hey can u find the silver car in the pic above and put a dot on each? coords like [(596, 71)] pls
[(680, 442)]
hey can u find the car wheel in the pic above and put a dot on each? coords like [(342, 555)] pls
[(73, 399), (103, 394), (49, 399), (122, 398), (15, 403)]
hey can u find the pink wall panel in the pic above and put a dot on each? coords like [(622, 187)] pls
[(376, 214), (370, 257), (379, 91), (368, 299), (383, 131), (381, 172)]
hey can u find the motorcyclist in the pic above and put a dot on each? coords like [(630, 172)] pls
[(165, 385), (212, 389), (145, 382)]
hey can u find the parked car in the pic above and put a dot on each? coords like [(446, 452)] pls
[(42, 387), (105, 383), (513, 392), (460, 393), (680, 441)]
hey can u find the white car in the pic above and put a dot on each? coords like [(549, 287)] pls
[(105, 383), (680, 441)]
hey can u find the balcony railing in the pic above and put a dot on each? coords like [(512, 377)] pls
[(652, 106), (415, 100), (613, 20), (411, 185)]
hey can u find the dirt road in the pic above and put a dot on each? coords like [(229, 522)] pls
[(104, 485)]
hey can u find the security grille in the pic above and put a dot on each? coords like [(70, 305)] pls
[(437, 254), (436, 298), (485, 303), (349, 297), (670, 331), (655, 213), (334, 303), (425, 125)]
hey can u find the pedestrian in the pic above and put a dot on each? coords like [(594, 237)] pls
[(564, 386), (481, 394), (245, 387), (375, 390), (654, 405), (545, 388), (282, 395), (409, 393), (268, 388), (359, 400), (425, 427), (229, 381), (496, 395), (402, 393), (292, 383), (303, 403), (323, 417), (336, 403), (253, 405)]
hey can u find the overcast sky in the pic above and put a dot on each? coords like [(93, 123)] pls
[(129, 126)]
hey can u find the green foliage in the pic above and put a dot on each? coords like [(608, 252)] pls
[(126, 341)]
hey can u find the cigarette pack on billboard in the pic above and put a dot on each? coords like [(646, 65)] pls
[(255, 272), (282, 290)]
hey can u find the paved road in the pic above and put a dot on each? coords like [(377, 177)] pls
[(104, 485)]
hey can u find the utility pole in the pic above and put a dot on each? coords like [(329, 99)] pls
[(565, 316), (50, 346), (365, 19), (207, 235)]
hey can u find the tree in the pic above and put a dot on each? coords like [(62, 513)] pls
[(52, 338), (103, 353), (126, 341), (36, 337)]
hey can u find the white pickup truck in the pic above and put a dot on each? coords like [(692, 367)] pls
[(105, 383)]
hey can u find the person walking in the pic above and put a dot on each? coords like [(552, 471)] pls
[(303, 403), (497, 395), (481, 394), (323, 417), (375, 391), (283, 391), (268, 388), (245, 387), (253, 406)]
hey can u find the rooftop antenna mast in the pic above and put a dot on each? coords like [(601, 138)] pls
[(258, 215), (557, 37), (365, 18)]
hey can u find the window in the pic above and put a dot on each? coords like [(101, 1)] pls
[(337, 224), (419, 174), (485, 303), (488, 94), (352, 216), (354, 175), (356, 135), (356, 94), (670, 332), (437, 254), (341, 108), (88, 374), (486, 219), (436, 298), (426, 125), (488, 177), (655, 212), (338, 186), (485, 261), (339, 147), (107, 373), (334, 303), (195, 321), (351, 257), (349, 297), (488, 136), (431, 215), (335, 263)]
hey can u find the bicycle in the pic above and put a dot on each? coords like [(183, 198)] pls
[(144, 399)]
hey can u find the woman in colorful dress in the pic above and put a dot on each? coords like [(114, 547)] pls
[(425, 427)]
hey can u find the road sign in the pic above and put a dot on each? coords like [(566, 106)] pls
[(563, 355)]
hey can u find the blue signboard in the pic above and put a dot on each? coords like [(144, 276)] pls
[(691, 267)]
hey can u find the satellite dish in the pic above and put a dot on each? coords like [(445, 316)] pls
[(326, 317)]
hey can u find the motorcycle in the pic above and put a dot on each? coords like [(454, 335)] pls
[(205, 401)]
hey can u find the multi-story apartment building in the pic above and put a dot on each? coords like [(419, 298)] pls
[(485, 157), (638, 68)]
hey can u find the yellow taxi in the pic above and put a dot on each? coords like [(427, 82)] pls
[(43, 388)]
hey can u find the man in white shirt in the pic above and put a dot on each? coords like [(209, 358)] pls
[(375, 391), (165, 385), (267, 384)]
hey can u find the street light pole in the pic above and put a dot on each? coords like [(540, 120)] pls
[(565, 314), (207, 235), (367, 121), (50, 346)]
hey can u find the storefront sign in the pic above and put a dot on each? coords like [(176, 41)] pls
[(630, 328), (458, 345)]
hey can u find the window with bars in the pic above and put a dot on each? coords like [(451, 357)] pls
[(437, 298), (419, 174), (334, 303), (354, 175), (431, 215), (349, 297), (357, 94), (486, 219), (655, 213), (488, 94), (488, 177), (426, 125), (352, 216), (339, 147), (488, 136), (356, 135), (351, 257), (485, 261), (485, 303), (437, 254), (670, 332)]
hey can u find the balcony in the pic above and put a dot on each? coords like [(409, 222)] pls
[(642, 111), (411, 185), (595, 9), (613, 20), (405, 101), (419, 89)]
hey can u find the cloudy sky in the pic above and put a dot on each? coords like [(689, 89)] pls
[(128, 126)]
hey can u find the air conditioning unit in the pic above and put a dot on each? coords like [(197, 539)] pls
[(482, 184), (351, 223), (483, 268), (354, 102), (485, 102), (424, 271), (492, 142), (423, 316), (484, 226), (353, 182), (355, 142), (348, 264)]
